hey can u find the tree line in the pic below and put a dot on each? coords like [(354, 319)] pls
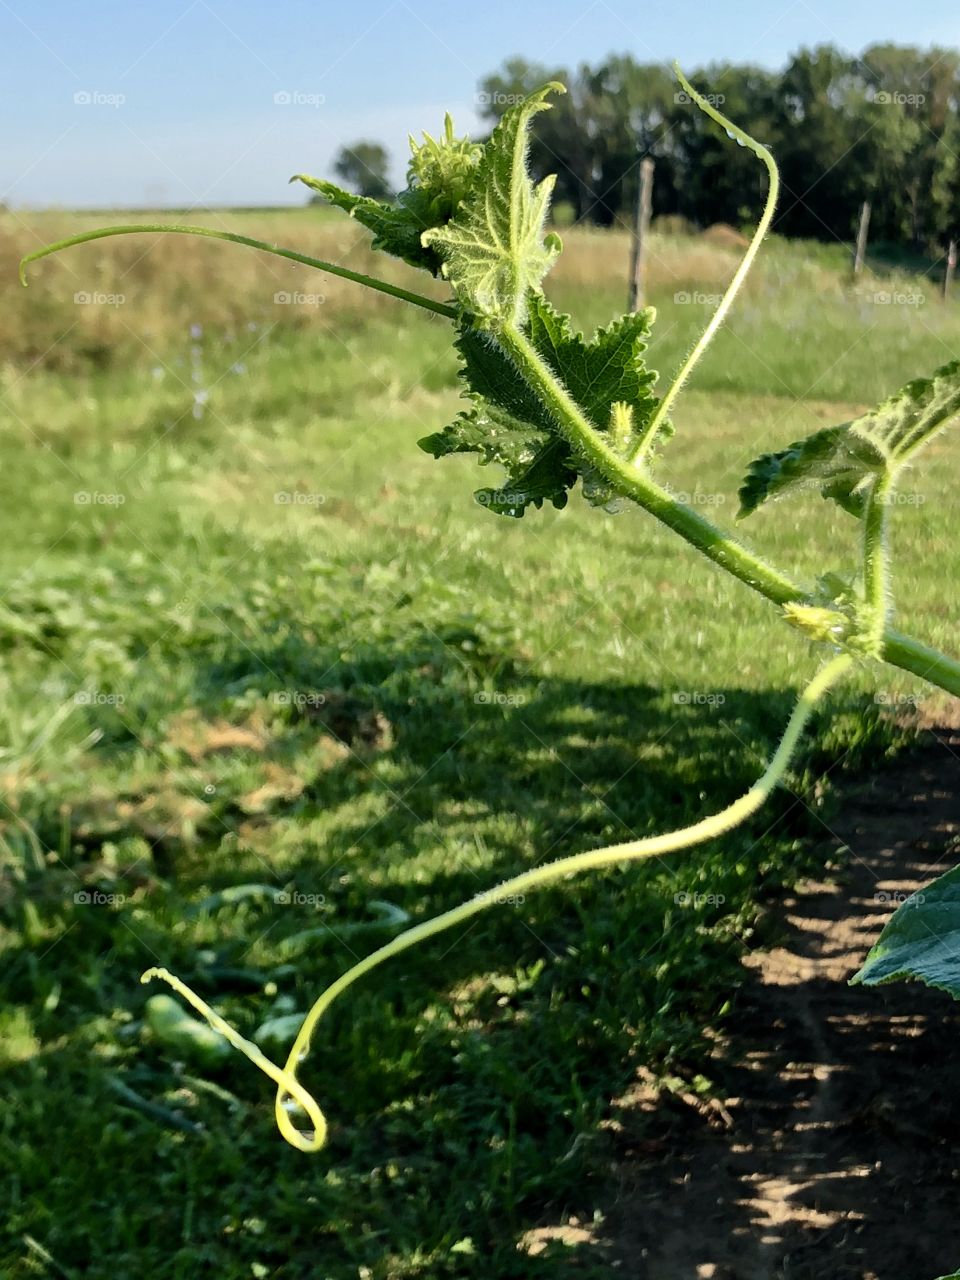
[(883, 127)]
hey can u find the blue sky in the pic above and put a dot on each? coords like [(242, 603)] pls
[(177, 97)]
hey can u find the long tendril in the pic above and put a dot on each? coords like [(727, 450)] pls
[(332, 268), (733, 288), (289, 1088)]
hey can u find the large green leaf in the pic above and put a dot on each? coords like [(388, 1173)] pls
[(921, 940), (608, 369), (494, 249), (510, 425), (844, 461)]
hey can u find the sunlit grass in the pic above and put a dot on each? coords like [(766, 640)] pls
[(485, 693)]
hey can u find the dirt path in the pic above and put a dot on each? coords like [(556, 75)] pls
[(836, 1152)]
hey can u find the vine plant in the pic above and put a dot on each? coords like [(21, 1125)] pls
[(553, 409)]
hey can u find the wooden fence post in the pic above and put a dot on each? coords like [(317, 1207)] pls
[(861, 251), (641, 230), (951, 268)]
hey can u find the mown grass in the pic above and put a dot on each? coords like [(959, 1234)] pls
[(298, 654)]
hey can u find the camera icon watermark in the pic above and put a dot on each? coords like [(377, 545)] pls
[(85, 298), (297, 98), (96, 98), (496, 698), (97, 698), (499, 897), (683, 99), (697, 698), (686, 899), (696, 298), (297, 898), (293, 498), (884, 699), (499, 99), (700, 498), (88, 498), (297, 698), (899, 298), (297, 299), (97, 898), (901, 498), (886, 98), (501, 498)]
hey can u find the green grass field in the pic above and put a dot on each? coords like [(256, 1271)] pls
[(252, 634)]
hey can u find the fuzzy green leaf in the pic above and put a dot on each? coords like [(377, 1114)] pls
[(440, 174), (844, 461), (607, 370), (899, 427), (534, 460), (833, 459), (394, 230), (509, 424), (494, 250), (921, 940)]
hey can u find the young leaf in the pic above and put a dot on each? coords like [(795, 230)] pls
[(394, 230), (843, 461), (921, 940), (494, 250), (510, 425), (534, 460), (440, 174)]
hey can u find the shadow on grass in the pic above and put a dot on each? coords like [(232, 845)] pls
[(468, 1084)]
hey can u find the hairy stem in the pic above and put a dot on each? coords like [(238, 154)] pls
[(288, 1087), (733, 288), (876, 562), (899, 650), (371, 282), (631, 483), (718, 546)]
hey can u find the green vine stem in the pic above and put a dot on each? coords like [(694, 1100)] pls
[(897, 649), (371, 282), (629, 477), (716, 545), (876, 565), (733, 288), (289, 1089)]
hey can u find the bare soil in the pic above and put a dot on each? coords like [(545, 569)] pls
[(832, 1151)]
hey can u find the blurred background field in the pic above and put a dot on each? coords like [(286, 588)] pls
[(251, 633)]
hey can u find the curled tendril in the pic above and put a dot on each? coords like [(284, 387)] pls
[(291, 1091), (733, 288)]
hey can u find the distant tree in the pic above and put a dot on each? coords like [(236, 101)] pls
[(626, 108), (884, 127), (919, 90), (721, 183), (946, 182), (560, 143), (363, 166), (594, 138)]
